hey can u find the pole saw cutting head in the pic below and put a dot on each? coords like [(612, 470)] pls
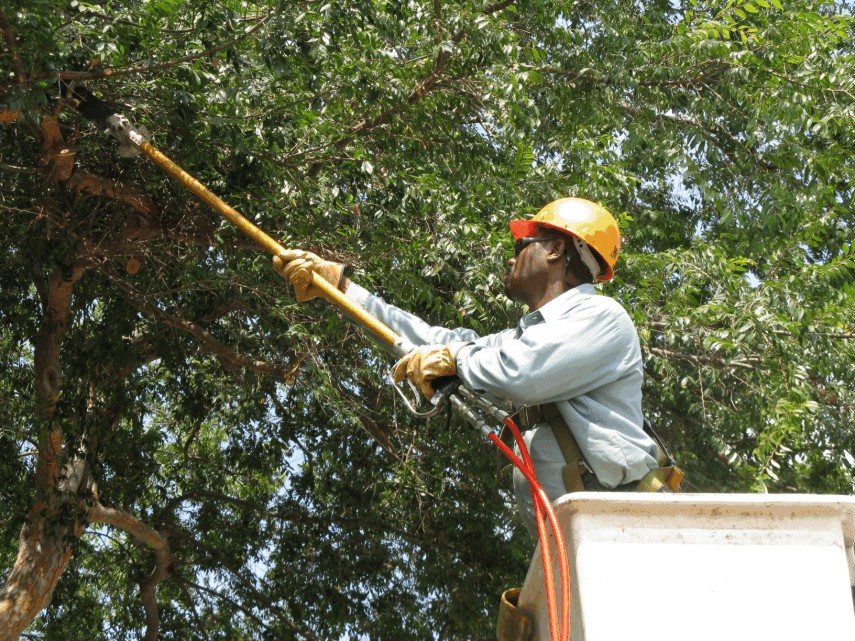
[(130, 138)]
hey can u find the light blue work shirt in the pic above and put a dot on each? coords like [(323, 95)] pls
[(581, 351)]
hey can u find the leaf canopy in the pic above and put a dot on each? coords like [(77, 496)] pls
[(257, 435)]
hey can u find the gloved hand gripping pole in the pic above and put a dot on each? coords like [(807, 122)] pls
[(133, 141)]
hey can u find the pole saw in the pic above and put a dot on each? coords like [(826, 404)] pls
[(475, 409)]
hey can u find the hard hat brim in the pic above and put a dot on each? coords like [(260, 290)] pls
[(528, 228)]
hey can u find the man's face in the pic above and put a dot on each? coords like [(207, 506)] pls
[(527, 271)]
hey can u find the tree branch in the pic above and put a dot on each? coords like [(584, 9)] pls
[(144, 535), (211, 344), (279, 613), (275, 606), (661, 326), (55, 318), (111, 72), (8, 116), (44, 549), (214, 496), (20, 170), (55, 153), (237, 606), (490, 9), (12, 45), (714, 361), (420, 90), (723, 138), (88, 183)]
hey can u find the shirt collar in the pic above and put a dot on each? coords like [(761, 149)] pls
[(557, 306)]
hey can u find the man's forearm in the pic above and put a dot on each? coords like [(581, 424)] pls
[(408, 325)]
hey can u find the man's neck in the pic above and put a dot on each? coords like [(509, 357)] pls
[(552, 291)]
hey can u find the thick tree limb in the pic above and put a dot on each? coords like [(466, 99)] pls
[(55, 153), (60, 157), (44, 550), (55, 318), (88, 183), (42, 558), (144, 535)]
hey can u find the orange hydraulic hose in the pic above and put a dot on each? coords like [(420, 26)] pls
[(543, 537), (543, 504)]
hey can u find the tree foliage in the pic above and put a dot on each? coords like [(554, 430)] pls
[(191, 454)]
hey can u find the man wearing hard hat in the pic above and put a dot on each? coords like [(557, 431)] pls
[(572, 365)]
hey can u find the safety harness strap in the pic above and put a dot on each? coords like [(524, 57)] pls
[(666, 478), (574, 463)]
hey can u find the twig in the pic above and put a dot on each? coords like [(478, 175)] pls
[(20, 170), (748, 364), (111, 72)]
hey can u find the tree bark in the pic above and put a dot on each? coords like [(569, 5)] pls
[(142, 534), (44, 549)]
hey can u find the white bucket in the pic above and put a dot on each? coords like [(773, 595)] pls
[(704, 566)]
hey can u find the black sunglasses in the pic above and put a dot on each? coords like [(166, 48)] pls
[(522, 243)]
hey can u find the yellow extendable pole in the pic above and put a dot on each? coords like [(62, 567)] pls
[(328, 291)]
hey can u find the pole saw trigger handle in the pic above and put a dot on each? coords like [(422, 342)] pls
[(413, 399)]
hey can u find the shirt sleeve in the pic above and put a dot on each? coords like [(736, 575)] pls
[(404, 323), (553, 361)]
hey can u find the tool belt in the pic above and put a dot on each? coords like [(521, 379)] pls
[(666, 478)]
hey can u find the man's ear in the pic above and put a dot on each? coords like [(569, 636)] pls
[(557, 249)]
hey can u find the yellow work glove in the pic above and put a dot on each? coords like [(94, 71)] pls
[(427, 363), (297, 266)]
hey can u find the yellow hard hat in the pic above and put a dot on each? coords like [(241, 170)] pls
[(581, 218)]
